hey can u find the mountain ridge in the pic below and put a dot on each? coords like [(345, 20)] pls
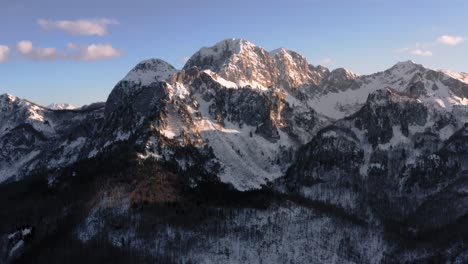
[(264, 157), (308, 96)]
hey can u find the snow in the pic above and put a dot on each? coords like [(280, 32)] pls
[(61, 106), (26, 231), (245, 66), (277, 51), (18, 239), (178, 91), (234, 45), (120, 136), (17, 246), (344, 103), (14, 168), (149, 71), (247, 161), (330, 134), (221, 80), (397, 139), (446, 132), (461, 76), (174, 123), (93, 153), (69, 153)]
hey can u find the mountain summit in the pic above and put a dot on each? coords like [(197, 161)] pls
[(244, 63)]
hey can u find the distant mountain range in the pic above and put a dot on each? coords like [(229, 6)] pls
[(61, 106), (242, 156)]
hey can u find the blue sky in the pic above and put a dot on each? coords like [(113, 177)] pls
[(76, 51)]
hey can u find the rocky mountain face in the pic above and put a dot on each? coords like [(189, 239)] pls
[(438, 88), (386, 160), (243, 156), (34, 138)]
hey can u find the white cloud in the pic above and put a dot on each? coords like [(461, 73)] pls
[(327, 61), (45, 54), (420, 52), (424, 48), (450, 40), (72, 46), (4, 53), (79, 27), (28, 51), (95, 52), (24, 46)]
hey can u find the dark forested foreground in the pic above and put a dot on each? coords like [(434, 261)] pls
[(121, 211)]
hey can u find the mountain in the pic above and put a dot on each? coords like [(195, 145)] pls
[(439, 88), (388, 159), (242, 63), (61, 106), (242, 156), (35, 138)]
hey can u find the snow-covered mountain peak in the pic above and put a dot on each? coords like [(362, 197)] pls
[(405, 67), (408, 63), (243, 63), (238, 61), (149, 71), (342, 74), (8, 97), (283, 54), (234, 45), (277, 51), (61, 106), (220, 53), (145, 74)]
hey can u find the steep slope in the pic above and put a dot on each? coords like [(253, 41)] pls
[(196, 112)]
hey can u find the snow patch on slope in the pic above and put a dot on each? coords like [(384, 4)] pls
[(248, 160)]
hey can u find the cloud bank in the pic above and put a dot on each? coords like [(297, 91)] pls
[(420, 52), (78, 27), (24, 47), (450, 40), (93, 52), (422, 48)]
